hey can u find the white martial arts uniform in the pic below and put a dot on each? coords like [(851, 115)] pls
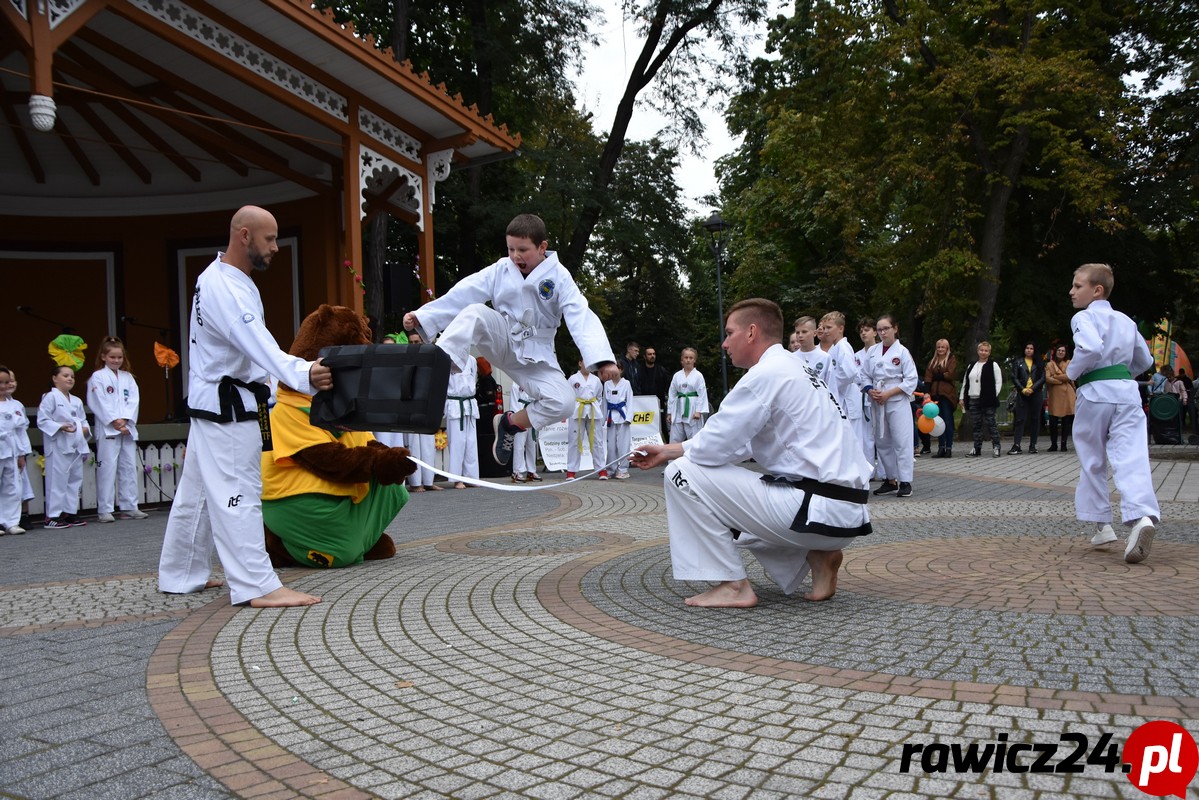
[(424, 447), (1108, 417), (218, 501), (841, 374), (65, 452), (618, 423), (517, 333), (687, 394), (894, 429), (817, 361), (461, 422), (860, 410), (524, 448), (585, 425), (112, 395), (14, 443), (784, 419)]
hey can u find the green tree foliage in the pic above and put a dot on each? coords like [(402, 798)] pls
[(950, 162)]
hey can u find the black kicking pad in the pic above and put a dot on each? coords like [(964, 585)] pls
[(383, 387)]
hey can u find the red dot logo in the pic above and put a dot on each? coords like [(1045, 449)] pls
[(1161, 758)]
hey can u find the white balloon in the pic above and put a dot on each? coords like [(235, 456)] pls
[(938, 426)]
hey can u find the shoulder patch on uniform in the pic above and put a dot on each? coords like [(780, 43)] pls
[(545, 289), (247, 318)]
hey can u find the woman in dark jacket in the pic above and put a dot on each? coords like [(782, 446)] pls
[(1028, 379), (981, 384)]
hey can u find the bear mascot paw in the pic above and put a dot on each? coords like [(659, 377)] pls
[(327, 497)]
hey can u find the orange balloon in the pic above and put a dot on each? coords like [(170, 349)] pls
[(925, 424)]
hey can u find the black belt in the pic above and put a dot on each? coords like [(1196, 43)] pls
[(234, 410), (810, 487)]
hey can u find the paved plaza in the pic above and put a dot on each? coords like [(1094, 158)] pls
[(535, 645)]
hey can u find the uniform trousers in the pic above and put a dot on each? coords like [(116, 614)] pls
[(705, 504), (585, 433), (488, 330), (894, 438), (618, 435), (1120, 432), (218, 502), (64, 479), (422, 446), (116, 473), (462, 447), (684, 430), (524, 453), (10, 492), (863, 428)]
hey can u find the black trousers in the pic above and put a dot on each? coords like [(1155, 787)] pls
[(1028, 413)]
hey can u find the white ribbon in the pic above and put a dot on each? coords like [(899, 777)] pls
[(503, 487)]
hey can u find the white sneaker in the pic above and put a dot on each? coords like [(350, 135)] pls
[(134, 514), (105, 518), (15, 530), (1140, 541), (1104, 535)]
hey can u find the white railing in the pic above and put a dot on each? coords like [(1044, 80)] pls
[(158, 465)]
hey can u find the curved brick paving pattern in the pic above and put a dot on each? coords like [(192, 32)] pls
[(552, 657)]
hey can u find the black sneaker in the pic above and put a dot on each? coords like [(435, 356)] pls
[(905, 490), (58, 522), (1015, 451), (505, 438), (887, 487), (74, 521)]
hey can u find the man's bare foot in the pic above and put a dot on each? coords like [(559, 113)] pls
[(459, 485), (729, 594), (825, 565), (284, 598), (432, 487), (416, 489), (213, 583)]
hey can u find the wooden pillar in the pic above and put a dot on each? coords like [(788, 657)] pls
[(425, 245), (349, 291)]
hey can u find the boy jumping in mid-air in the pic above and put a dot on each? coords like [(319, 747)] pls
[(1108, 352), (530, 292)]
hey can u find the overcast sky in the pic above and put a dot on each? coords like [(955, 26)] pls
[(602, 82)]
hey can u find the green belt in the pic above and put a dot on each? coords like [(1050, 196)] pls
[(462, 401), (686, 398), (1116, 372)]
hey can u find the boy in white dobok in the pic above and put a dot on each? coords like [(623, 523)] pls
[(461, 423), (618, 423), (1108, 352), (530, 294), (798, 517), (524, 453), (841, 371)]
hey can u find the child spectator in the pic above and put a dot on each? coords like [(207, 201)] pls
[(65, 432), (14, 447), (686, 399), (893, 377), (422, 446), (1108, 351), (981, 383), (461, 423), (583, 423), (524, 453), (113, 398), (859, 410), (618, 426), (809, 350), (530, 293), (841, 370)]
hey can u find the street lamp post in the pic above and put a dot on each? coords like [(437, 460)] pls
[(716, 226)]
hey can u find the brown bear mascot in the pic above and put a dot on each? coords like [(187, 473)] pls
[(327, 496)]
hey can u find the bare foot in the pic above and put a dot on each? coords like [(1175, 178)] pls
[(825, 565), (434, 487), (729, 594), (213, 583), (460, 485), (284, 598), (416, 489)]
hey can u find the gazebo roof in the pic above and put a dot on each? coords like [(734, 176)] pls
[(172, 107)]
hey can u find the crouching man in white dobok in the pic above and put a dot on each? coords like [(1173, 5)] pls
[(795, 519)]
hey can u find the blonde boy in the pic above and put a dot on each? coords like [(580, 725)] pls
[(1108, 352)]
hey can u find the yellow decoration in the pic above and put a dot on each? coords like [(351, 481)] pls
[(41, 463), (67, 350), (439, 440)]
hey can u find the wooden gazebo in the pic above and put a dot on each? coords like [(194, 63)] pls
[(134, 128)]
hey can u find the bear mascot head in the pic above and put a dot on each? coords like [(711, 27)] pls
[(327, 497)]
